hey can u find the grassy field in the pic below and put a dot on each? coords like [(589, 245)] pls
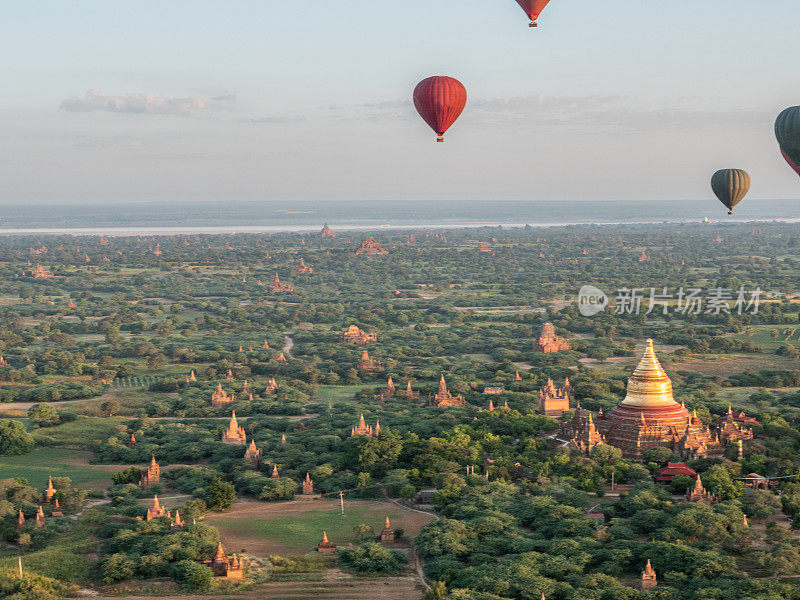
[(770, 336), (296, 527), (85, 431), (336, 393), (59, 462)]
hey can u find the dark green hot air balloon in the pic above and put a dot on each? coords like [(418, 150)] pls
[(730, 186), (787, 130)]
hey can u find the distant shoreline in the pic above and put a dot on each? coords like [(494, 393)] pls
[(297, 228)]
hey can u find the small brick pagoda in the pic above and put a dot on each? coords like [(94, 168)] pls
[(387, 533), (367, 430), (549, 342), (325, 546), (252, 455), (49, 491), (327, 232), (648, 580), (303, 268), (152, 475), (444, 398), (277, 286), (225, 567), (371, 247), (234, 434), (368, 364), (156, 510)]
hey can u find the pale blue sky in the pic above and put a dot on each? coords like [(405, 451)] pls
[(282, 99)]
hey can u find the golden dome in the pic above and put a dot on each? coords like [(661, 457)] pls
[(649, 386)]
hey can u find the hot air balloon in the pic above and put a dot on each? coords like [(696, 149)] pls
[(790, 162), (440, 100), (533, 8), (730, 186), (787, 130)]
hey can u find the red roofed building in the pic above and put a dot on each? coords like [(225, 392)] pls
[(672, 469)]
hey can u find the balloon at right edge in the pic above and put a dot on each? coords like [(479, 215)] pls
[(787, 131), (533, 8), (730, 186)]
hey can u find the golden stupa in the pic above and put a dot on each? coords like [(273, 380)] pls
[(649, 416)]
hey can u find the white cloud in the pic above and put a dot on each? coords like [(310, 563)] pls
[(146, 104)]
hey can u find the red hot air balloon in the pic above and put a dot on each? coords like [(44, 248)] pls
[(790, 162), (533, 8), (440, 100)]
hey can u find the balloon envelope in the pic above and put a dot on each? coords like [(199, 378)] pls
[(787, 130), (440, 101), (730, 186), (790, 162), (533, 8)]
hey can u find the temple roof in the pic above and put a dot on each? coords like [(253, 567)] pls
[(649, 386)]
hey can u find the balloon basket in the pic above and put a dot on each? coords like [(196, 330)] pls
[(730, 212), (533, 24), (439, 139)]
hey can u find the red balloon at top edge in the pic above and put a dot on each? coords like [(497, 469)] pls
[(791, 163), (440, 101), (533, 8)]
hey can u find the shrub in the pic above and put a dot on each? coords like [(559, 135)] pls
[(191, 575), (372, 558)]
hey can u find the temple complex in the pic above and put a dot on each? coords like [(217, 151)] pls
[(272, 386), (56, 510), (177, 522), (648, 581), (731, 428), (275, 474), (220, 397), (192, 377), (367, 364), (363, 429), (444, 398), (49, 491), (387, 533), (517, 376), (649, 417), (325, 546), (303, 268), (224, 567), (281, 360), (357, 336), (234, 434), (370, 247), (132, 440), (156, 510), (252, 455), (698, 493), (549, 342), (152, 475), (644, 257), (554, 401), (20, 521), (40, 522), (277, 286), (327, 232), (41, 273)]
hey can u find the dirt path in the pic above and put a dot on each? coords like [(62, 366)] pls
[(288, 344)]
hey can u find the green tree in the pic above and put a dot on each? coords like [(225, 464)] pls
[(14, 439), (220, 495), (192, 576), (43, 415)]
